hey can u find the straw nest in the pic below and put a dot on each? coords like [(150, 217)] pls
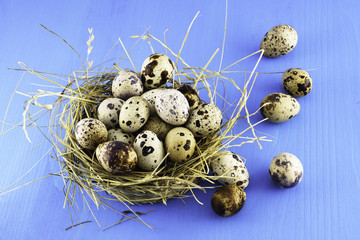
[(80, 93)]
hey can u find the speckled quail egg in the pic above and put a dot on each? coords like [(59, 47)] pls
[(121, 136), (296, 82), (151, 96), (116, 157), (231, 169), (149, 149), (180, 144), (156, 70), (126, 84), (172, 107), (109, 111), (134, 114), (279, 107), (278, 41), (204, 120), (90, 132), (158, 126), (286, 170), (191, 95), (228, 200)]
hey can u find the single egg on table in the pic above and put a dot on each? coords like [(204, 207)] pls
[(126, 84), (296, 82), (279, 40), (109, 111), (231, 169), (90, 132), (286, 170), (279, 107), (228, 200), (116, 157), (156, 70)]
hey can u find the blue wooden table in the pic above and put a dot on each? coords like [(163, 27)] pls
[(324, 136)]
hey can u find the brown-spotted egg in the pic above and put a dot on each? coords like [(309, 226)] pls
[(286, 170), (158, 126), (230, 169), (279, 107), (116, 157), (172, 107), (180, 144), (279, 40), (134, 114), (121, 136), (90, 132), (228, 200), (205, 119), (149, 149), (126, 84), (156, 70), (190, 94), (109, 111), (296, 82), (150, 96)]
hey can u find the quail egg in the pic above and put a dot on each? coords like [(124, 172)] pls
[(90, 132), (109, 111), (296, 82), (172, 107), (180, 144), (150, 96), (204, 120), (149, 149), (278, 41), (286, 170), (228, 200), (121, 136), (191, 95), (116, 157), (230, 169), (126, 84), (134, 114), (156, 70), (279, 107), (158, 126)]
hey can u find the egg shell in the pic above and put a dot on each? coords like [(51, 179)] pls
[(228, 200), (149, 149), (156, 70), (279, 40), (134, 114), (180, 144), (286, 170), (204, 120), (279, 107), (126, 84), (150, 97), (90, 132), (116, 157), (296, 82), (191, 95), (172, 107), (231, 169), (121, 136), (109, 111), (158, 126)]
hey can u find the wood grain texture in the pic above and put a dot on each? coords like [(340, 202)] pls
[(325, 135)]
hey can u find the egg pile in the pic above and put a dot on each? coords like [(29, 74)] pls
[(145, 123)]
